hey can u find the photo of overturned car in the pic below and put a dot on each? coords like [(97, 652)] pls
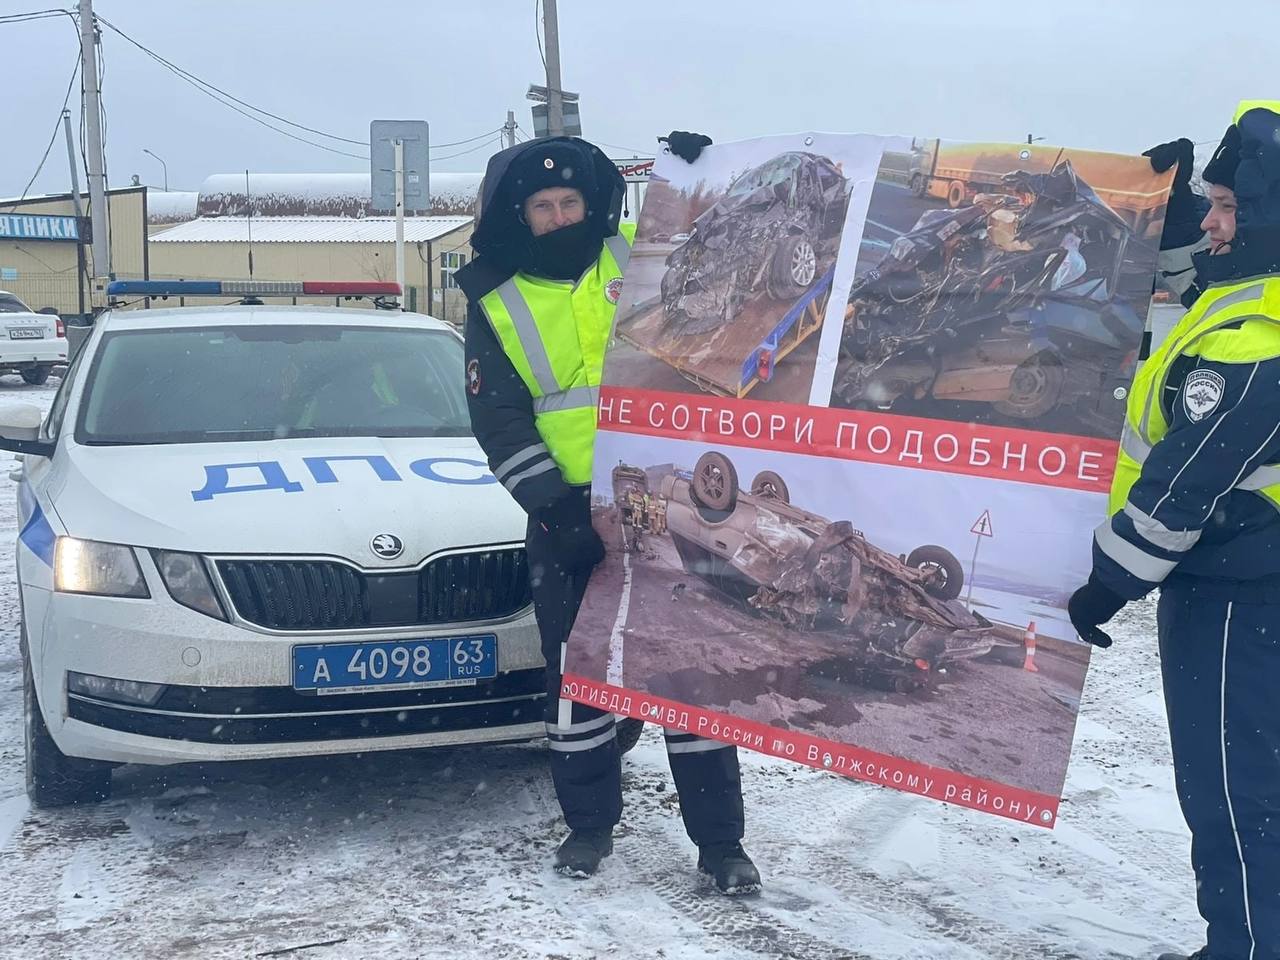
[(727, 587), (1022, 304), (897, 614)]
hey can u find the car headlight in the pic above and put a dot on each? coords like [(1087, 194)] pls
[(101, 569), (188, 582)]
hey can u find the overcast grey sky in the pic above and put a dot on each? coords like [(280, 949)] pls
[(1105, 74)]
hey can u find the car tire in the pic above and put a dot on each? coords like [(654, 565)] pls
[(1035, 388), (53, 778), (955, 194), (792, 269), (37, 375), (917, 185), (628, 731), (715, 482), (769, 484), (943, 561)]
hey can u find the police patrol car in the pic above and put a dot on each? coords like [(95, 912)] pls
[(252, 531)]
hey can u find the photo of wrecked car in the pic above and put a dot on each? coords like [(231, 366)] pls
[(736, 582), (767, 235), (1021, 305), (732, 272), (898, 614)]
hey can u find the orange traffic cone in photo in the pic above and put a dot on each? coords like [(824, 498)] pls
[(1029, 642)]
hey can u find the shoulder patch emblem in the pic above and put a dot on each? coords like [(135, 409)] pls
[(613, 290), (1201, 393), (473, 377)]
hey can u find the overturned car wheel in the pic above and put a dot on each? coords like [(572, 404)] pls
[(715, 482), (1034, 389), (769, 484), (945, 576), (792, 269)]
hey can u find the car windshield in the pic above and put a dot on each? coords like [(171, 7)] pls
[(206, 385), (11, 304), (777, 170)]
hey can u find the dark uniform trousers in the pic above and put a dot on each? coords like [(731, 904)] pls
[(586, 764), (1221, 664)]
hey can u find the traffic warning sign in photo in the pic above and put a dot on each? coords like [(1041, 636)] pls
[(982, 526)]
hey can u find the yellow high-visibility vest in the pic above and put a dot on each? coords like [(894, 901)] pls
[(1209, 330), (554, 333)]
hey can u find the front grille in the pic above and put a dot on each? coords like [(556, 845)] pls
[(230, 715), (325, 595), (465, 586)]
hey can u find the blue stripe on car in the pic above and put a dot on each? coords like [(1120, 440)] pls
[(37, 534)]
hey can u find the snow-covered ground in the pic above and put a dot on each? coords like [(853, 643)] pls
[(445, 853)]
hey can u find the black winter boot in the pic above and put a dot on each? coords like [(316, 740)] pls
[(581, 851), (1201, 954), (730, 867)]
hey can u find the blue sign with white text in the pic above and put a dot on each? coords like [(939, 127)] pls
[(38, 227)]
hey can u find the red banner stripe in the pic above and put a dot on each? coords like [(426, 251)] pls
[(1000, 453), (1026, 806)]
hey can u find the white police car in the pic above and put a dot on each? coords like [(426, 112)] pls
[(249, 531)]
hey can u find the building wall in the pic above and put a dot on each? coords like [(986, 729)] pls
[(43, 273), (320, 261)]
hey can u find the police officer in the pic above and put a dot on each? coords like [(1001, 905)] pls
[(1195, 511), (541, 297)]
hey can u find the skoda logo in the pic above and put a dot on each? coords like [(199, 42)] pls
[(387, 546)]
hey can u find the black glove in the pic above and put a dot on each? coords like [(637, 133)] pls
[(1092, 604), (1186, 209), (687, 146), (575, 544)]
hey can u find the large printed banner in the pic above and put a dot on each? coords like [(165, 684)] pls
[(859, 417)]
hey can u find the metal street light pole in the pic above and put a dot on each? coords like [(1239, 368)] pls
[(164, 165)]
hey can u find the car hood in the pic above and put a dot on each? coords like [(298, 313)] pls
[(433, 494)]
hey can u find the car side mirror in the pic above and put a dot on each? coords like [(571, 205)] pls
[(20, 429)]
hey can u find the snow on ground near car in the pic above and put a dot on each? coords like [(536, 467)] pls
[(445, 853)]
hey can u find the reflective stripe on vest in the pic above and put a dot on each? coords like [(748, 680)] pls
[(561, 360), (1145, 422)]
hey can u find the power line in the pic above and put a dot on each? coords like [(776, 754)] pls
[(222, 96), (34, 15), (478, 136), (638, 153), (463, 153), (186, 74), (57, 125), (537, 31), (229, 101)]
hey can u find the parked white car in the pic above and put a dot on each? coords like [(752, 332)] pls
[(31, 343), (252, 532)]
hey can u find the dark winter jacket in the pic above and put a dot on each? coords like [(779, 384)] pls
[(500, 404)]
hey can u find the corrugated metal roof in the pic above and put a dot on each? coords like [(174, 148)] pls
[(309, 230)]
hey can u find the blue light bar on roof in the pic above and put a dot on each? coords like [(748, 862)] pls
[(252, 288)]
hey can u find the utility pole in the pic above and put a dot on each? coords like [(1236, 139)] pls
[(93, 133), (509, 128), (75, 204), (400, 218), (555, 103)]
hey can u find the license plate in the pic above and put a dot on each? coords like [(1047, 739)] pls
[(395, 665), (26, 333)]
